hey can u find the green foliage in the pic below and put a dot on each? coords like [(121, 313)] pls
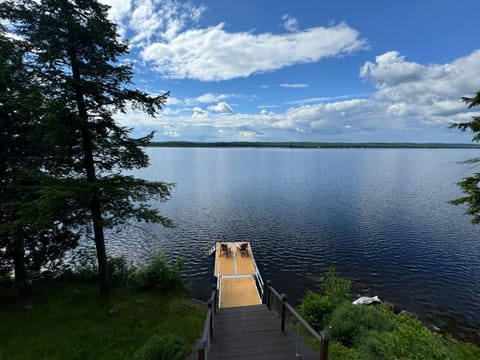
[(349, 323), (82, 266), (119, 271), (316, 308), (336, 288), (361, 332), (5, 279), (337, 351), (24, 247), (377, 334), (470, 185), (159, 275), (85, 326), (164, 347), (410, 341), (73, 55)]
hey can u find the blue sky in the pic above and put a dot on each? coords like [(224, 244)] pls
[(342, 70)]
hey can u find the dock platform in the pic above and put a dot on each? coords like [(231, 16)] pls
[(236, 272)]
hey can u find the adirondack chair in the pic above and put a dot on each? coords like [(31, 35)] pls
[(243, 248), (224, 249)]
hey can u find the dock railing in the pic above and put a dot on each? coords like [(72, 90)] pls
[(203, 344), (258, 280), (308, 343)]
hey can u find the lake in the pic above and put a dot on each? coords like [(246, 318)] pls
[(380, 217)]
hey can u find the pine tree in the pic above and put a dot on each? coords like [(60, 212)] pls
[(22, 246), (75, 54), (470, 185)]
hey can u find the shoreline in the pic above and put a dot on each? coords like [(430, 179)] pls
[(312, 145)]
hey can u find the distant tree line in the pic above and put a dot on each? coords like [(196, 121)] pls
[(61, 152)]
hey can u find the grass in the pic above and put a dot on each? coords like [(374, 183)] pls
[(68, 320)]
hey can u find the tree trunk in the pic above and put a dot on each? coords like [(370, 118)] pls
[(100, 244), (95, 204), (19, 261)]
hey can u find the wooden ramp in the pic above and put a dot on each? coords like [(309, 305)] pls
[(235, 269), (249, 332)]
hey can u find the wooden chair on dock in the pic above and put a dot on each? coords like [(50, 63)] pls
[(243, 248), (224, 249)]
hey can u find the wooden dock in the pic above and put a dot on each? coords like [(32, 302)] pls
[(239, 327), (236, 270)]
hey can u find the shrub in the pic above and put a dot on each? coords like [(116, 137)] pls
[(120, 273), (336, 288), (337, 351), (315, 308), (462, 351), (160, 275), (157, 275), (164, 347), (82, 266), (412, 342), (349, 323), (6, 279)]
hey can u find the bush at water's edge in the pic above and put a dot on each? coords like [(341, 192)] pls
[(366, 332)]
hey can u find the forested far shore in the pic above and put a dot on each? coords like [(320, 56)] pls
[(314, 145)]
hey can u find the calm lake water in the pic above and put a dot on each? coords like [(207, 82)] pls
[(379, 216)]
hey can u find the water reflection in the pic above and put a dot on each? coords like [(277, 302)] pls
[(379, 216)]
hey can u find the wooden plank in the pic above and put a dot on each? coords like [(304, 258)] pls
[(235, 263), (249, 333), (224, 264), (238, 292), (236, 289), (245, 263)]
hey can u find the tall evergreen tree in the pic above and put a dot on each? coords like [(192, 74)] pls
[(22, 246), (75, 51), (470, 185)]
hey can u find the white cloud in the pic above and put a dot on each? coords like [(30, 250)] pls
[(208, 98), (221, 107), (119, 10), (290, 23), (167, 111), (249, 134), (430, 92), (326, 99), (173, 101), (199, 113), (294, 85), (397, 79), (390, 69), (411, 102), (170, 131), (152, 19), (213, 54)]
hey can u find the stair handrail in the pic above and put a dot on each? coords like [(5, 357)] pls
[(323, 338), (202, 345)]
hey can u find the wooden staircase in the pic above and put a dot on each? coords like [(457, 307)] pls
[(249, 332)]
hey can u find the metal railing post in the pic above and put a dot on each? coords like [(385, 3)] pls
[(267, 293), (209, 303), (200, 345), (284, 299), (324, 346), (214, 292)]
